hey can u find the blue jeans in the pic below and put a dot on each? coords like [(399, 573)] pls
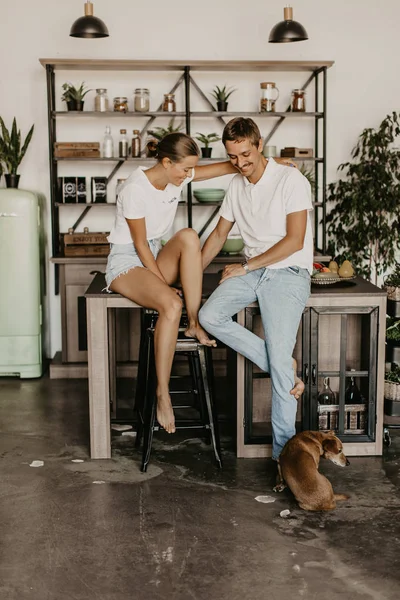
[(282, 295)]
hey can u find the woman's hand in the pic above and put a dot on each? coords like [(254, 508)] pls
[(235, 270), (177, 291)]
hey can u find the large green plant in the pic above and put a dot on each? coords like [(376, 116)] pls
[(11, 152), (364, 224)]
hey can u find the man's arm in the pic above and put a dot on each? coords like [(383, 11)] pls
[(296, 224), (215, 241)]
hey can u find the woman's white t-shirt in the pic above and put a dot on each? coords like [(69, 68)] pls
[(137, 198)]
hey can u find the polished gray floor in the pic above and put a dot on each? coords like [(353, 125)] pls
[(102, 530)]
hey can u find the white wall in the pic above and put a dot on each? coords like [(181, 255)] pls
[(361, 36)]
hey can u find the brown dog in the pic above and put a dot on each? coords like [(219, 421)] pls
[(298, 469)]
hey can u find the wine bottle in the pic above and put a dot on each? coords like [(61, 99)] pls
[(326, 419)]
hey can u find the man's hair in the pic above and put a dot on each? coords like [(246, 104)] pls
[(176, 147), (240, 129)]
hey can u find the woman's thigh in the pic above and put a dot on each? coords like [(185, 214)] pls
[(143, 287), (170, 255)]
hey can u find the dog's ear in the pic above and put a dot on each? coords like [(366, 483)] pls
[(331, 445)]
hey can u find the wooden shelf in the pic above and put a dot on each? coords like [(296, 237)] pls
[(285, 114), (85, 204), (178, 65), (114, 114)]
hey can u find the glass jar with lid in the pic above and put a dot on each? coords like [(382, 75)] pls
[(298, 100), (142, 100), (169, 104), (269, 95), (121, 104), (101, 100)]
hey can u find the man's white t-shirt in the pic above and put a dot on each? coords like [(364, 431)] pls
[(138, 198), (260, 211)]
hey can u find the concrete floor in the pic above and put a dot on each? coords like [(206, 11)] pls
[(102, 530)]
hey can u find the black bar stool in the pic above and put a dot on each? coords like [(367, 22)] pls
[(200, 366)]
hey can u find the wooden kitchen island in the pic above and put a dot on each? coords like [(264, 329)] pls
[(342, 335)]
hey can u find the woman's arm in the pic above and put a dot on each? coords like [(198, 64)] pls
[(203, 172), (137, 227)]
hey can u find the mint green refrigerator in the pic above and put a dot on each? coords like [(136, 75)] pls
[(20, 295)]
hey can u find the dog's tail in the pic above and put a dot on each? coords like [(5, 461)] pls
[(341, 497)]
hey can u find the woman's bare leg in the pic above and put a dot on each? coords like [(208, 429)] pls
[(181, 257), (145, 288)]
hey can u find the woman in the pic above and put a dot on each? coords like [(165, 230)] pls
[(140, 270)]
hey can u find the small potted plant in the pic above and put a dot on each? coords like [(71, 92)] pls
[(159, 133), (11, 152), (74, 96), (392, 387), (221, 95), (207, 140), (392, 284)]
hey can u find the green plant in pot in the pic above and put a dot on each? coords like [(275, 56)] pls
[(364, 223), (159, 133), (11, 151), (221, 95), (206, 140), (392, 284), (74, 96)]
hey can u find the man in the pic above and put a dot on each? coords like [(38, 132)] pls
[(270, 204)]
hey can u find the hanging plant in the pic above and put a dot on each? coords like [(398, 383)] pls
[(364, 224)]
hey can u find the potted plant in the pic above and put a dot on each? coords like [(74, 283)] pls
[(221, 95), (207, 139), (365, 220), (392, 389), (74, 96), (392, 284), (159, 133), (11, 152)]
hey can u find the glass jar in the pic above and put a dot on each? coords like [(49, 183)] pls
[(101, 100), (136, 145), (269, 95), (298, 100), (121, 104), (142, 100), (169, 104)]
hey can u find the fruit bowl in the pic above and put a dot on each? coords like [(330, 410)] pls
[(233, 245), (209, 194), (330, 280)]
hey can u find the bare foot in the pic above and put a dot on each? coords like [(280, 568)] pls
[(195, 331), (165, 413), (298, 383)]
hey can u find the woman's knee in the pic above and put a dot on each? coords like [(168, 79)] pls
[(171, 308), (189, 238)]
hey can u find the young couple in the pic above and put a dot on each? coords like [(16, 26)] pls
[(270, 204)]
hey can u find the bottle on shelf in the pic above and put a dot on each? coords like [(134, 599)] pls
[(136, 143), (355, 419), (123, 145), (327, 419), (107, 147)]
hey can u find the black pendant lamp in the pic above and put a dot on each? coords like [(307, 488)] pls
[(287, 30), (89, 26)]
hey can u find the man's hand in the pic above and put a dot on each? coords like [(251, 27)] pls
[(235, 270)]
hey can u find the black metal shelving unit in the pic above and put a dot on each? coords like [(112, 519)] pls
[(317, 76)]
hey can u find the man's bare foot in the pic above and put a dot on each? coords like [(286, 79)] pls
[(195, 331), (298, 383), (165, 413)]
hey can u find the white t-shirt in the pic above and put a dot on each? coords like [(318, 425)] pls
[(138, 198), (260, 211)]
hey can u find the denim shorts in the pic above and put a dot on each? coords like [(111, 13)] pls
[(123, 258)]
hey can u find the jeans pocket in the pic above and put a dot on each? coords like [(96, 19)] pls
[(295, 270)]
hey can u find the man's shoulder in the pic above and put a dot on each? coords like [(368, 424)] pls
[(237, 182)]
